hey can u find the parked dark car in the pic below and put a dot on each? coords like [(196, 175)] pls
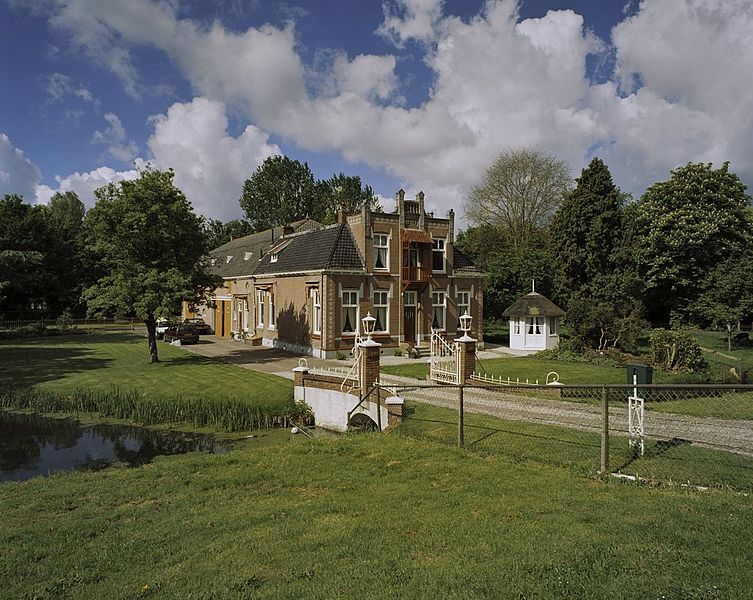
[(202, 328), (185, 332)]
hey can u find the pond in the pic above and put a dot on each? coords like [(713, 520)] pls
[(32, 446)]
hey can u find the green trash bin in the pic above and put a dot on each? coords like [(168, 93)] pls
[(643, 374)]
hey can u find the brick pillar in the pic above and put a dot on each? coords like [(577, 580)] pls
[(369, 368), (467, 357)]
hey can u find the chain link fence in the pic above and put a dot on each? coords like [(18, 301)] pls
[(685, 434)]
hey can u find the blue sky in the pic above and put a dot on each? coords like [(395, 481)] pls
[(419, 94)]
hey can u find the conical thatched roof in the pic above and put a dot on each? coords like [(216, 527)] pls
[(533, 305)]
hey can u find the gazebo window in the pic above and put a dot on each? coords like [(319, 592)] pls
[(552, 325), (534, 325), (516, 327)]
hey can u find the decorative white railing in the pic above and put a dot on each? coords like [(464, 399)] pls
[(443, 365), (354, 372), (551, 378)]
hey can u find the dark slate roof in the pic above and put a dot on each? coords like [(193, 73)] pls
[(253, 246), (462, 261), (533, 304), (330, 248)]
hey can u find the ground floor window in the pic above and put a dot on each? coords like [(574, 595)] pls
[(437, 310), (464, 305), (516, 327), (349, 311), (552, 325), (535, 325), (317, 316), (381, 311), (259, 308), (271, 311)]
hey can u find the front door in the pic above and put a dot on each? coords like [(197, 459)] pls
[(227, 319), (409, 317)]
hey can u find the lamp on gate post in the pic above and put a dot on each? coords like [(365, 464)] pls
[(465, 327), (368, 328)]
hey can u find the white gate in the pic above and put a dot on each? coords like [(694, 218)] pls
[(444, 364)]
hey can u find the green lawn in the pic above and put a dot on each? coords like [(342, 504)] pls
[(109, 374), (580, 451), (104, 361), (367, 517)]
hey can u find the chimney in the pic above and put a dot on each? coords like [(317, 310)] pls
[(421, 213), (399, 199), (451, 232), (341, 217)]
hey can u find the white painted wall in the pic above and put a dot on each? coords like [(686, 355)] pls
[(331, 407), (523, 341)]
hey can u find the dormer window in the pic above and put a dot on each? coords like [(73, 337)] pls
[(381, 251), (247, 255), (273, 257), (228, 258)]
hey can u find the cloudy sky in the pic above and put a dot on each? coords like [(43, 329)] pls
[(419, 94)]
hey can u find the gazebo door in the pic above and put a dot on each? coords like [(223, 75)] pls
[(535, 332)]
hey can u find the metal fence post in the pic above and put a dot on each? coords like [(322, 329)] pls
[(605, 430), (461, 433)]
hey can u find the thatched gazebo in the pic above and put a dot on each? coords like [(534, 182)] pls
[(534, 322)]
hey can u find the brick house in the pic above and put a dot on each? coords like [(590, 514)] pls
[(306, 287)]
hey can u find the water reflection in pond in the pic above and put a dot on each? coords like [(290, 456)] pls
[(31, 445)]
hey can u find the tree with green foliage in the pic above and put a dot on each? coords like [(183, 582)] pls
[(152, 248), (508, 272), (595, 278), (342, 191), (24, 244), (219, 233), (66, 257), (587, 231), (280, 191), (685, 227), (727, 296), (520, 193)]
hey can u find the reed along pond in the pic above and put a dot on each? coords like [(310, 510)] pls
[(32, 445)]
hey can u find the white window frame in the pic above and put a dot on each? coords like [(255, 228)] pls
[(352, 294), (463, 306), (516, 327), (382, 242), (552, 326), (384, 304), (534, 323), (271, 310), (438, 245), (260, 301), (316, 302), (435, 303)]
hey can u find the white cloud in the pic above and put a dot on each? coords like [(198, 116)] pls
[(115, 140), (410, 20), (84, 184), (678, 94), (59, 86), (18, 175), (210, 165)]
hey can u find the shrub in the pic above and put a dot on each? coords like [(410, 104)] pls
[(676, 351), (340, 355)]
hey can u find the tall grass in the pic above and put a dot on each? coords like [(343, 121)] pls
[(229, 414)]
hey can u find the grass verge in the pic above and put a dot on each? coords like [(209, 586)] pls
[(368, 517), (109, 374)]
